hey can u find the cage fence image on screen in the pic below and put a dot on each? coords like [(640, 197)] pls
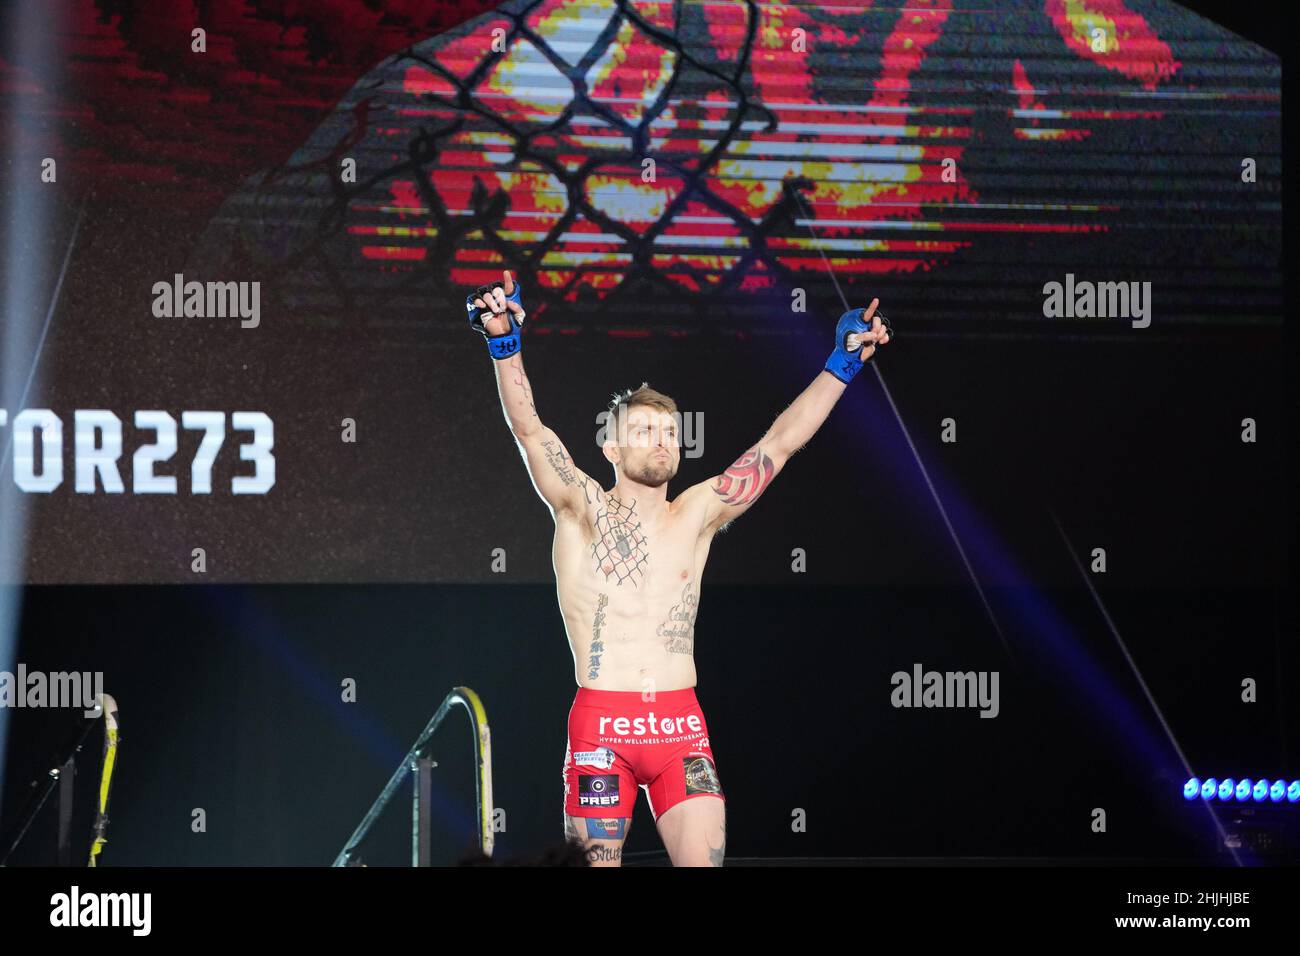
[(274, 381), (650, 159)]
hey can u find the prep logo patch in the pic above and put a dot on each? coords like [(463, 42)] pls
[(701, 776), (601, 757), (598, 790)]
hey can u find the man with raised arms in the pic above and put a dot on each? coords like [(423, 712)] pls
[(628, 563)]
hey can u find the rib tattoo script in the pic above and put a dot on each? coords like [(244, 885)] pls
[(679, 630), (746, 479), (597, 645), (620, 547)]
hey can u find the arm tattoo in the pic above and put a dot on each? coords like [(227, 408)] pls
[(557, 457), (678, 631), (597, 645), (521, 380), (746, 479), (591, 490), (620, 547)]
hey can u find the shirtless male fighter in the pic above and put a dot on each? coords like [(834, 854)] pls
[(628, 564)]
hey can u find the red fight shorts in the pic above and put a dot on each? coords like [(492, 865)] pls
[(617, 742)]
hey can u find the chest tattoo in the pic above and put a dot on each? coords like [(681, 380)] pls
[(620, 549)]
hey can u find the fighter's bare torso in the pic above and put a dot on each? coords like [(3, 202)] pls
[(629, 589), (628, 562)]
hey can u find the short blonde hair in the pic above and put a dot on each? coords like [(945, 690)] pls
[(643, 395)]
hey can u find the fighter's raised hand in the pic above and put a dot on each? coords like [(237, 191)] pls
[(866, 343), (497, 311), (861, 331)]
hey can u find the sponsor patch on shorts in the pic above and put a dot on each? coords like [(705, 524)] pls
[(701, 776), (598, 790), (602, 757)]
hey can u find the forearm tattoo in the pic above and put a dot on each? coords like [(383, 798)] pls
[(620, 548), (679, 630), (746, 479), (597, 645), (521, 381)]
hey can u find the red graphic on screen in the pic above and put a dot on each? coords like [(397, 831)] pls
[(579, 153), (606, 151)]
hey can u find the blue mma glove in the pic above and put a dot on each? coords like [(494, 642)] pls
[(507, 343), (844, 362)]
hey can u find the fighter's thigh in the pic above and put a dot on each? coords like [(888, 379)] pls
[(601, 837), (694, 831)]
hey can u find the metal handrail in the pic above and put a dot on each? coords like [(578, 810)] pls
[(411, 764)]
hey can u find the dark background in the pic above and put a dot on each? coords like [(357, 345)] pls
[(230, 702), (229, 692)]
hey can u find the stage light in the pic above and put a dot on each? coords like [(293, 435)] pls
[(29, 292), (1243, 789)]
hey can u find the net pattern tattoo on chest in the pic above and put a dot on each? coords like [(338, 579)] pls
[(620, 548)]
